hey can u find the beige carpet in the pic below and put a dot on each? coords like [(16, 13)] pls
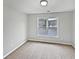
[(36, 50)]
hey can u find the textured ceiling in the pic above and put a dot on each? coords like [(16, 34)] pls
[(33, 6)]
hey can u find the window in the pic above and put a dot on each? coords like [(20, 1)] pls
[(47, 27)]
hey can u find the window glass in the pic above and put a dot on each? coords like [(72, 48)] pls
[(48, 27)]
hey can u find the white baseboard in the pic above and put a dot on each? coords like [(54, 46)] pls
[(73, 45), (14, 49), (53, 41)]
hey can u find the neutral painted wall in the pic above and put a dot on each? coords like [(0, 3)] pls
[(73, 31), (14, 29), (65, 27)]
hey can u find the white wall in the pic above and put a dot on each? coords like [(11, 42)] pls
[(14, 29), (65, 27), (73, 31)]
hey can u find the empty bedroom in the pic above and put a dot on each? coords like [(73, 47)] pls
[(39, 29)]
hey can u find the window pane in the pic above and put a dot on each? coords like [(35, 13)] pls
[(42, 27), (42, 23), (52, 23), (43, 31), (52, 31)]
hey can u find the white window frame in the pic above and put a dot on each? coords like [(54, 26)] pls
[(47, 35)]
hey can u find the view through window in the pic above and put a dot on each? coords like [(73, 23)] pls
[(47, 26)]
